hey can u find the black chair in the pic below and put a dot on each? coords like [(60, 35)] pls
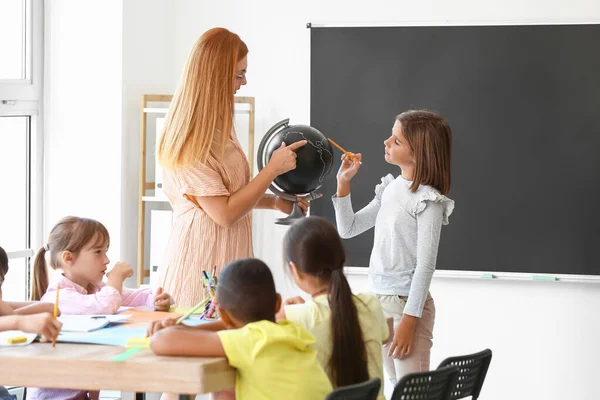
[(4, 395), (431, 385), (472, 369), (361, 391)]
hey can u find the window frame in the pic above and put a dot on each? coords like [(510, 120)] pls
[(24, 98), (27, 41)]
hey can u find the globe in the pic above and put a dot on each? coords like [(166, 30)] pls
[(313, 165)]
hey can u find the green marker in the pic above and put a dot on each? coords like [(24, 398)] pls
[(544, 278), (488, 276), (124, 356)]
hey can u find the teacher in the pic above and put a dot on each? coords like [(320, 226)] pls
[(206, 173)]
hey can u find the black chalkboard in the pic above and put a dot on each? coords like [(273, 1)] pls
[(524, 106)]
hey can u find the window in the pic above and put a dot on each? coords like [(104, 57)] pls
[(21, 52), (15, 39), (14, 213)]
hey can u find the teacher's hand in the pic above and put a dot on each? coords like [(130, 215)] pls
[(284, 158), (286, 206)]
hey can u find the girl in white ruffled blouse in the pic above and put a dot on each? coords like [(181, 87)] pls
[(407, 213)]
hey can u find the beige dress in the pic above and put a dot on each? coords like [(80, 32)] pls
[(197, 242)]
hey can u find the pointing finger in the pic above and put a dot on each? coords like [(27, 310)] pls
[(296, 145)]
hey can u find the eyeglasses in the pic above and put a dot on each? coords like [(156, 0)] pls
[(241, 76)]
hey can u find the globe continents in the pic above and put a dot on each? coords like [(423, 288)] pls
[(314, 162)]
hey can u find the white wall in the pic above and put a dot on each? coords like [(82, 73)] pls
[(100, 58), (543, 335), (148, 68), (83, 142)]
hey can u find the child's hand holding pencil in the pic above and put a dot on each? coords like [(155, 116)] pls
[(351, 163), (43, 324), (349, 168), (352, 156)]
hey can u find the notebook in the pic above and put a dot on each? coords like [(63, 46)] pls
[(89, 323)]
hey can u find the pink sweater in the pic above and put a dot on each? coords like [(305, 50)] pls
[(75, 300)]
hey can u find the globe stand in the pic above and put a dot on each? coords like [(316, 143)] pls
[(294, 215), (296, 210)]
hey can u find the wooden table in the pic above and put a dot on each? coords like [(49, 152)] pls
[(90, 366)]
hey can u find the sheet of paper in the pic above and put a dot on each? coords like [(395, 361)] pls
[(148, 316), (143, 308), (81, 323), (4, 336), (117, 335), (115, 318), (88, 323)]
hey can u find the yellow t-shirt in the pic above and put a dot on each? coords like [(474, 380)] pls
[(274, 361), (315, 317)]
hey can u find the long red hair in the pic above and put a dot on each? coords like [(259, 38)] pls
[(201, 114)]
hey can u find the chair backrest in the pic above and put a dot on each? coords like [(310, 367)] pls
[(361, 391), (431, 385), (5, 394), (472, 369)]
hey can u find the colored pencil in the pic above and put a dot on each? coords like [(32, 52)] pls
[(55, 312), (342, 150), (191, 311)]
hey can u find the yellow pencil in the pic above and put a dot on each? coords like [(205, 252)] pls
[(191, 311), (55, 312), (342, 150)]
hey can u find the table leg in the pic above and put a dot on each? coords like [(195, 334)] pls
[(185, 397), (140, 396)]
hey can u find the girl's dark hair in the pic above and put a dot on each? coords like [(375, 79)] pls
[(3, 264), (70, 234), (315, 247), (430, 138)]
